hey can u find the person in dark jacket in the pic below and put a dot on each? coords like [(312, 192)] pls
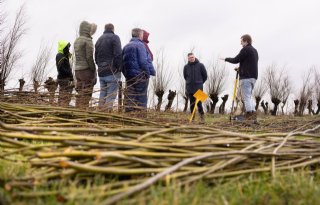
[(248, 73), (195, 75), (136, 67), (65, 77), (108, 56)]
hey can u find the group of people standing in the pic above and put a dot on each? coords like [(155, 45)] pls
[(134, 61)]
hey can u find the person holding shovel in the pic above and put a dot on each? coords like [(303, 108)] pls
[(195, 75), (248, 73)]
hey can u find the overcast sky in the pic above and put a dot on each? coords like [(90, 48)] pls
[(285, 32)]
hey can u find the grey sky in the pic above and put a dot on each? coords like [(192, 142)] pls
[(285, 32)]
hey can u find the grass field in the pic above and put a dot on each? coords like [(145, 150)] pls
[(65, 156)]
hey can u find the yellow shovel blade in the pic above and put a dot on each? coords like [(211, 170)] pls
[(200, 95)]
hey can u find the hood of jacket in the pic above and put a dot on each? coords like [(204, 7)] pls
[(145, 36), (62, 45), (85, 29)]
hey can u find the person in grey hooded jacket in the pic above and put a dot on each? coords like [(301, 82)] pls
[(85, 70)]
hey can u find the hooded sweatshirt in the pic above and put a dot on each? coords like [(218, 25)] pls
[(62, 61), (146, 41), (83, 47)]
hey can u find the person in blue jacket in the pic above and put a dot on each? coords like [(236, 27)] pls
[(137, 68)]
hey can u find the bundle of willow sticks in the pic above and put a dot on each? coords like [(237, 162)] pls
[(60, 144)]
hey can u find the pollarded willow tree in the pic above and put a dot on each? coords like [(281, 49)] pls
[(285, 91), (38, 72), (161, 81), (305, 92), (9, 44), (217, 77), (259, 91), (316, 89), (275, 80)]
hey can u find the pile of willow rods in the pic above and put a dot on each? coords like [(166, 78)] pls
[(62, 144)]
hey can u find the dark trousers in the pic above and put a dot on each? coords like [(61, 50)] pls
[(65, 92), (193, 101), (86, 79), (136, 97)]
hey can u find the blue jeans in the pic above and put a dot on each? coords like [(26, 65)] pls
[(136, 97), (246, 88), (108, 89)]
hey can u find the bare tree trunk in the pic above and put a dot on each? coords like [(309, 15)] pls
[(51, 85), (282, 106), (215, 99), (302, 107), (159, 94), (223, 104), (310, 110), (21, 84), (258, 99), (296, 106), (318, 110), (2, 84), (36, 86), (265, 106), (186, 101), (171, 96), (276, 103)]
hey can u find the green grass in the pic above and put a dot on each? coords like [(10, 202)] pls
[(287, 188), (290, 188)]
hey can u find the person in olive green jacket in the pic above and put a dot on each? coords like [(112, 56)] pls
[(85, 70)]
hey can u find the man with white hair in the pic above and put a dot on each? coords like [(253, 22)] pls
[(137, 68)]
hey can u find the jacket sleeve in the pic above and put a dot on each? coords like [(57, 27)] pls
[(143, 59), (204, 73), (238, 58), (89, 55), (117, 52)]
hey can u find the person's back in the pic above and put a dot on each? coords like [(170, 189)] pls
[(85, 70), (65, 76), (249, 63), (136, 69), (108, 52), (108, 56), (62, 61), (135, 59), (83, 48)]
